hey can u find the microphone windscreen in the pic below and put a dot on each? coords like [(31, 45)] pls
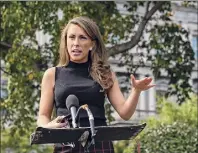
[(72, 100)]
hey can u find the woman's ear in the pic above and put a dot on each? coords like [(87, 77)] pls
[(93, 45)]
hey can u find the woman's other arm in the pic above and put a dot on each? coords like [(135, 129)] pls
[(126, 108), (46, 102)]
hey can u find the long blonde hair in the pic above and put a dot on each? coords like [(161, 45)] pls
[(99, 68)]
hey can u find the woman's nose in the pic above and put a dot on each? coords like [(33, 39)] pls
[(76, 41)]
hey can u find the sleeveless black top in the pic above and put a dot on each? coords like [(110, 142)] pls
[(75, 79)]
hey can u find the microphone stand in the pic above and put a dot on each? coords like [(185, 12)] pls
[(91, 122)]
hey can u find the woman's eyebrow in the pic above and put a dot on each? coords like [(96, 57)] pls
[(71, 34), (83, 35)]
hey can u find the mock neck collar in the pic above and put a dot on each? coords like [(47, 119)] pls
[(72, 64)]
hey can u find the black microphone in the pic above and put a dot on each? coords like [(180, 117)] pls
[(72, 103)]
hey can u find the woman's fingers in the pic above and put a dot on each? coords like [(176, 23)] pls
[(59, 119), (147, 81), (58, 122), (142, 84), (150, 86), (61, 125), (132, 79)]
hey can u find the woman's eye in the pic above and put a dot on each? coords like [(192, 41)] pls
[(83, 38)]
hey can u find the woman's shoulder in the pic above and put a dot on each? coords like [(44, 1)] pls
[(49, 73), (52, 72), (49, 76)]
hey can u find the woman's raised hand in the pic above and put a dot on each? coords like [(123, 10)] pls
[(141, 85)]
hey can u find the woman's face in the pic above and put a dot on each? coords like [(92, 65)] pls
[(78, 44)]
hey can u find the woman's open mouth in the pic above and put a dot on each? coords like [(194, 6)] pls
[(76, 52)]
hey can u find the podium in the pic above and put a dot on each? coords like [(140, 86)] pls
[(83, 134), (87, 136)]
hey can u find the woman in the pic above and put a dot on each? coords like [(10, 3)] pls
[(83, 71)]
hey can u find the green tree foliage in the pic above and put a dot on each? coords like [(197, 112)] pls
[(174, 130), (173, 51), (173, 43), (26, 58)]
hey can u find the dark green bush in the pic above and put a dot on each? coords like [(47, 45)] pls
[(174, 138), (173, 130)]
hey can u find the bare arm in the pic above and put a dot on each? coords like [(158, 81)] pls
[(46, 101), (126, 108)]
